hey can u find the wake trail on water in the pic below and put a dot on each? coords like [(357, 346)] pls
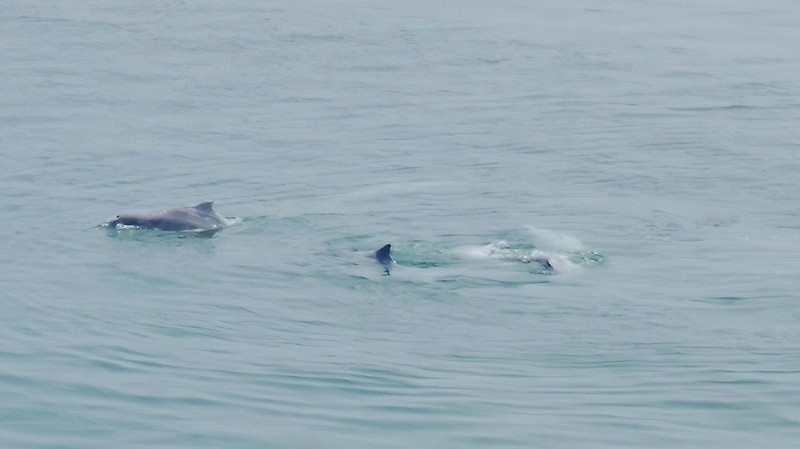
[(509, 256)]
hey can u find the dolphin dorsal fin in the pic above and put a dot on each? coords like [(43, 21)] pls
[(205, 207), (384, 255)]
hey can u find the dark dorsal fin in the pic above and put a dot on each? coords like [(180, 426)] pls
[(205, 207), (384, 255)]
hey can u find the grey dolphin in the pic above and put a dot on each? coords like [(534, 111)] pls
[(198, 218)]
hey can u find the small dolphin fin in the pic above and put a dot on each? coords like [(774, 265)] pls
[(383, 255), (205, 207)]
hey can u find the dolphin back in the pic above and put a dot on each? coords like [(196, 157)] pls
[(198, 218)]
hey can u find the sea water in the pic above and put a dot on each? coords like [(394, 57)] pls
[(650, 146)]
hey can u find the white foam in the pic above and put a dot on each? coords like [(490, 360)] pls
[(551, 240)]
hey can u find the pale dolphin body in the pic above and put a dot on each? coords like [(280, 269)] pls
[(551, 262), (198, 218), (503, 251)]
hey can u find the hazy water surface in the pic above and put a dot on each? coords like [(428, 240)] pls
[(650, 147)]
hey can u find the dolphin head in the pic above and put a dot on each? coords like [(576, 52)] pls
[(111, 222), (123, 220)]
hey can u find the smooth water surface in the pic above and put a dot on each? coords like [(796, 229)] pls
[(652, 145)]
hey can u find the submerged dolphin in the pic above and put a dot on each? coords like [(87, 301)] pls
[(198, 218), (497, 250)]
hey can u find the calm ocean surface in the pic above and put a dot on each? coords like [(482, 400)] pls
[(652, 148)]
